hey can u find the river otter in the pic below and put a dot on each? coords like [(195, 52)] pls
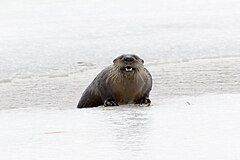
[(126, 81)]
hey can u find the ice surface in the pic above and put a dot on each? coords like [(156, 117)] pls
[(39, 36), (203, 127), (59, 90)]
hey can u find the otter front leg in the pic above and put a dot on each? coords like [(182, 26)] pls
[(144, 101), (110, 102)]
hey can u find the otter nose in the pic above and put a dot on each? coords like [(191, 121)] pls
[(128, 59)]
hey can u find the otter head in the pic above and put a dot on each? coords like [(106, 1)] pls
[(128, 63)]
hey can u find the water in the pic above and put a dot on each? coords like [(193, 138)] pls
[(51, 50)]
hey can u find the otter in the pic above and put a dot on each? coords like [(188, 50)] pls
[(126, 81)]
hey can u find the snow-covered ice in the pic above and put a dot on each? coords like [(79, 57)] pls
[(203, 127), (40, 36)]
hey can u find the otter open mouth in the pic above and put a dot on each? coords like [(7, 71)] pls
[(128, 69)]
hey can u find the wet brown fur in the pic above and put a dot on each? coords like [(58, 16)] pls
[(117, 84), (127, 87)]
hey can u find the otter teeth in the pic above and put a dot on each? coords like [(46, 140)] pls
[(128, 69)]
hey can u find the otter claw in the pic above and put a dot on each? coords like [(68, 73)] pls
[(144, 102), (110, 102)]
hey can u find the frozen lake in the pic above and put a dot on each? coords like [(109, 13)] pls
[(51, 50), (208, 128), (40, 37)]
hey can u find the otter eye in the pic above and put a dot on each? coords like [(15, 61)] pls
[(135, 56), (115, 60), (138, 58), (120, 57)]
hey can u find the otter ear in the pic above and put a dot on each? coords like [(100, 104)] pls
[(142, 60)]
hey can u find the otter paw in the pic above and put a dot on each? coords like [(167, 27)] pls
[(144, 101), (110, 102)]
